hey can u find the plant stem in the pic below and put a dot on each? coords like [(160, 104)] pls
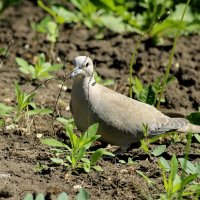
[(47, 9), (133, 58), (132, 62), (187, 151), (52, 53), (171, 56)]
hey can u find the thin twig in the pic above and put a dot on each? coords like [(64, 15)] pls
[(6, 53)]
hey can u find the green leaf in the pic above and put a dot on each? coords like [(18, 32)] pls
[(122, 161), (144, 146), (52, 28), (176, 184), (189, 179), (57, 161), (2, 123), (194, 118), (92, 130), (3, 51), (83, 195), (159, 150), (86, 167), (63, 196), (22, 63), (54, 67), (115, 24), (137, 87), (108, 82), (148, 180), (69, 133), (107, 5), (28, 197), (41, 26), (188, 166), (98, 155), (23, 99), (65, 15), (40, 197), (164, 164), (41, 111), (80, 154), (179, 9), (130, 161), (97, 168), (41, 58), (5, 110), (62, 120), (170, 79), (197, 136), (53, 142), (148, 95), (191, 189), (173, 172)]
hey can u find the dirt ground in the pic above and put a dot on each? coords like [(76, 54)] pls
[(21, 150)]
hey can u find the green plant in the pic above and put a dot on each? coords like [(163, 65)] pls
[(41, 69), (98, 14), (149, 93), (129, 162), (66, 122), (146, 178), (40, 168), (144, 143), (164, 83), (24, 107), (82, 195), (194, 118), (76, 154), (105, 82), (147, 11), (23, 100), (4, 112), (158, 150), (174, 183), (47, 26), (2, 51), (189, 167)]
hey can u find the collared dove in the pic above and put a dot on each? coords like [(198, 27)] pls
[(121, 119)]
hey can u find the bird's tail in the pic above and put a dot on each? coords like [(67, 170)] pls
[(190, 128)]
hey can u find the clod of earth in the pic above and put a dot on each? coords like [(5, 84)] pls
[(121, 119)]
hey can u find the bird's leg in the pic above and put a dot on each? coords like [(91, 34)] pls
[(117, 152), (99, 145), (121, 150)]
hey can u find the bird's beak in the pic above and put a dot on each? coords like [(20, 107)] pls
[(75, 73)]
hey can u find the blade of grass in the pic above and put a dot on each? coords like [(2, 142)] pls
[(171, 56)]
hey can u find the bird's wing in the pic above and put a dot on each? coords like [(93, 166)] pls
[(130, 115)]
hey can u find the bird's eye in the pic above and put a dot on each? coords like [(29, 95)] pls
[(87, 64)]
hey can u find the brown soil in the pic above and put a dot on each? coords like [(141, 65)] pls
[(21, 150)]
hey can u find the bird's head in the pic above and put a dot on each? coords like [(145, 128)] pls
[(83, 67)]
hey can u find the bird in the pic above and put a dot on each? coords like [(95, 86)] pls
[(121, 119)]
